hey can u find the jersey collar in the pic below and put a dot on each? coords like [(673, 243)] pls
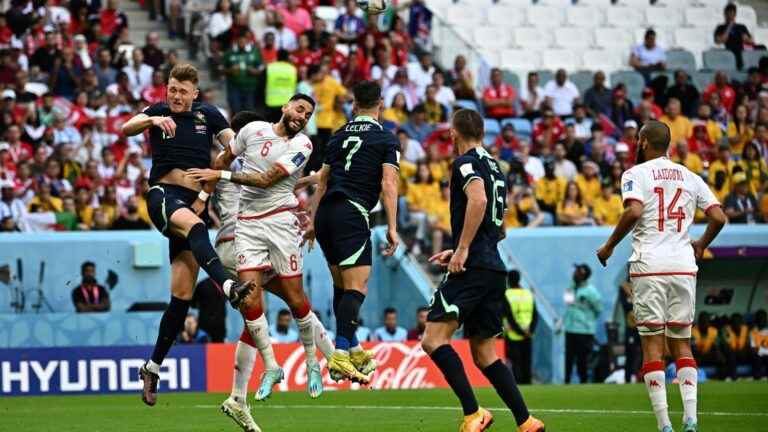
[(363, 118)]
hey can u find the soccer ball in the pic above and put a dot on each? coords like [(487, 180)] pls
[(372, 7)]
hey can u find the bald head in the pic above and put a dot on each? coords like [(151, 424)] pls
[(657, 134)]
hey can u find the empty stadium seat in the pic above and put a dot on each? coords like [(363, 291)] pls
[(582, 80), (719, 59), (657, 17), (560, 58), (490, 38), (752, 58), (519, 59), (703, 17), (702, 79), (737, 76), (573, 37), (747, 16), (507, 16), (511, 78), (603, 60), (760, 35), (634, 82), (522, 126), (680, 59), (517, 3), (626, 17), (492, 130), (589, 17), (545, 17), (530, 37), (467, 104), (607, 37), (464, 16), (545, 76), (492, 56)]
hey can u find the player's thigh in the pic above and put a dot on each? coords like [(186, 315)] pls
[(456, 298), (650, 304), (282, 235), (347, 234), (438, 333), (483, 351), (250, 247), (681, 300), (184, 269), (226, 252), (356, 277), (484, 321), (182, 220)]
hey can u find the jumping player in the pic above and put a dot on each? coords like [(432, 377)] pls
[(361, 164), (473, 292), (181, 134), (267, 233), (660, 200)]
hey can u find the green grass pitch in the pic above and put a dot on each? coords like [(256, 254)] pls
[(741, 406)]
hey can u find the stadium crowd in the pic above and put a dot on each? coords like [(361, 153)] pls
[(69, 77)]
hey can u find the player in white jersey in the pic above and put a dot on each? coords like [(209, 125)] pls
[(267, 234), (660, 201)]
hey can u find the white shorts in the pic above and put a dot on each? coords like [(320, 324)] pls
[(226, 252), (663, 301), (269, 242)]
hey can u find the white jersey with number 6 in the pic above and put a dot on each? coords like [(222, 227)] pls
[(670, 195)]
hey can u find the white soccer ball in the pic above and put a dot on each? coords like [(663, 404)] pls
[(372, 7)]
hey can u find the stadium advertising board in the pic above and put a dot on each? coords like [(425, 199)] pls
[(83, 370)]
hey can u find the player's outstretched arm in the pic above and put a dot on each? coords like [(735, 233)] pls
[(473, 217), (389, 181), (259, 180), (716, 221), (141, 122), (632, 211)]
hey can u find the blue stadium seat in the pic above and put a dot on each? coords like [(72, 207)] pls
[(681, 59), (522, 126), (738, 76), (719, 59), (511, 78), (752, 58), (545, 76), (634, 82), (582, 80), (492, 130), (467, 104)]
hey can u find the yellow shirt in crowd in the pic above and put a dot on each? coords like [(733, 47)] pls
[(756, 172), (692, 162), (423, 196), (680, 128), (395, 115), (747, 135), (326, 92), (572, 209), (54, 204), (716, 166), (608, 211), (550, 191), (590, 189)]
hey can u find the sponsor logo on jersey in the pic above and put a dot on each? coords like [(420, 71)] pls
[(627, 187), (298, 159), (466, 169)]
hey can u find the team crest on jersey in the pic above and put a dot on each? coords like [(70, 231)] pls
[(241, 259), (199, 117), (466, 169), (627, 187)]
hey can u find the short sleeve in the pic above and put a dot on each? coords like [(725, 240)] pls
[(155, 110), (392, 152), (216, 120), (466, 169), (299, 150), (239, 144), (705, 198), (631, 186)]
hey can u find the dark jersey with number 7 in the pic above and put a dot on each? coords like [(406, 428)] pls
[(477, 163), (356, 155)]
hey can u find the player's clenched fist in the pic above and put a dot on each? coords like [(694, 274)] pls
[(603, 254), (166, 124)]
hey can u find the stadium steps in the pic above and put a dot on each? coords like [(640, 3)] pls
[(140, 25)]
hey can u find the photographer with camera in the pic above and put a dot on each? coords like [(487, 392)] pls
[(90, 296)]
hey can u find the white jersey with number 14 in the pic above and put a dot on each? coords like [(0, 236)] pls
[(670, 195)]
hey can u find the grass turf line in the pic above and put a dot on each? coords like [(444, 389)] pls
[(724, 406)]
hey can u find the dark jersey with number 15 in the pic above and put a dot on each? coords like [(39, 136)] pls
[(477, 163), (356, 155)]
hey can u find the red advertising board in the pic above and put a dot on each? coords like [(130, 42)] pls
[(401, 366)]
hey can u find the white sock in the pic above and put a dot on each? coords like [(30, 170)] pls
[(259, 330), (657, 390), (322, 340), (356, 348), (245, 356), (153, 367), (227, 287), (307, 336), (688, 381)]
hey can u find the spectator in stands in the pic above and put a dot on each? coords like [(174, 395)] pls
[(89, 296), (685, 92), (719, 114), (598, 98), (550, 190), (720, 172), (549, 130), (507, 142), (648, 56), (192, 333), (327, 91), (572, 210), (588, 183), (499, 98), (741, 204), (444, 93), (130, 218), (564, 167), (398, 112), (423, 192), (700, 143), (421, 321), (560, 93), (420, 25), (679, 125), (690, 160), (520, 322), (722, 88), (761, 139), (608, 207), (740, 131), (139, 73), (649, 96), (105, 73), (758, 341), (417, 125), (420, 73), (153, 54), (242, 67), (735, 344), (349, 27), (600, 148), (462, 78), (583, 307), (46, 56), (390, 331), (629, 139), (704, 342), (533, 165), (281, 331), (754, 167), (10, 206), (294, 17), (436, 112), (714, 132), (733, 35), (621, 109), (582, 125), (531, 96), (401, 84)]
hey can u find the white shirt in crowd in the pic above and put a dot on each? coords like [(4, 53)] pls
[(386, 75), (562, 96), (139, 79), (534, 167), (420, 78), (414, 152), (382, 335), (445, 96), (566, 169), (651, 56), (528, 96), (220, 23), (284, 38)]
